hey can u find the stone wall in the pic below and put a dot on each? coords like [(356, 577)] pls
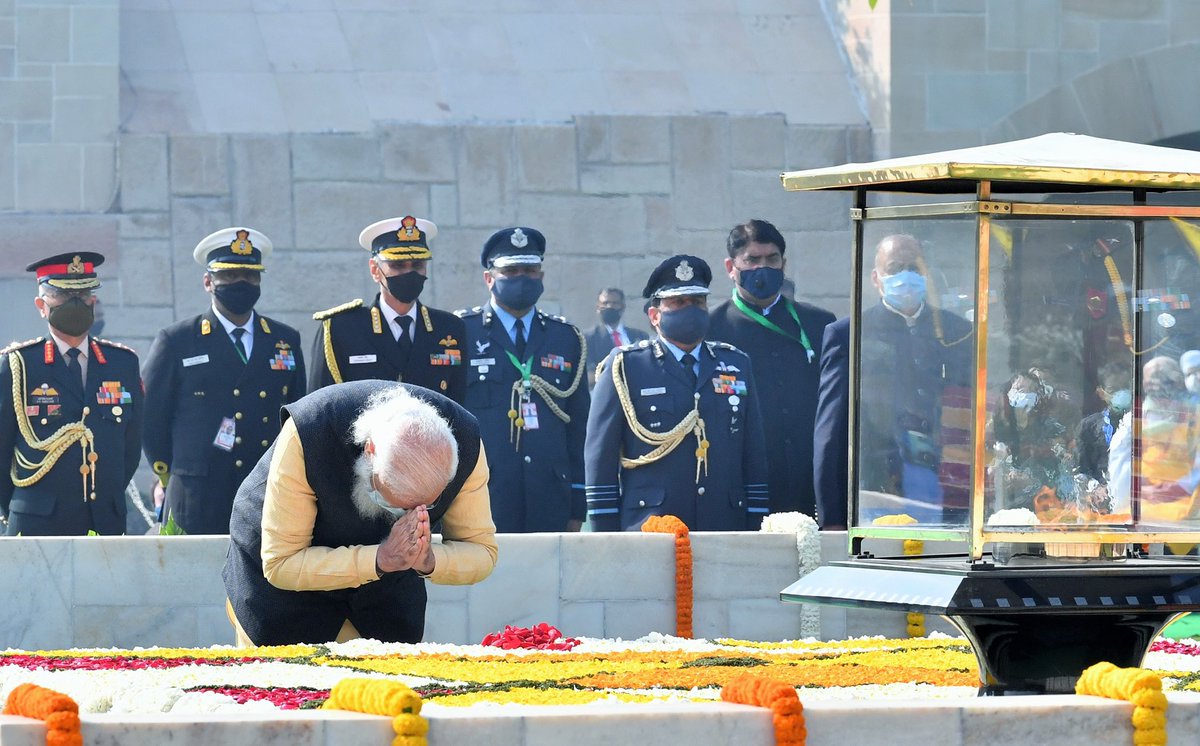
[(131, 591), (614, 196), (58, 105), (940, 74)]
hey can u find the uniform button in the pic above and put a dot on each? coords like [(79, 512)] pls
[(237, 440), (735, 409), (699, 490), (262, 394), (237, 393), (483, 378), (118, 420), (45, 421), (528, 460), (265, 419), (237, 415), (739, 503), (87, 411), (641, 503), (238, 464), (265, 443), (285, 390), (653, 408)]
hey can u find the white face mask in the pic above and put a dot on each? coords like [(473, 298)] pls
[(1193, 383), (377, 497), (1022, 399)]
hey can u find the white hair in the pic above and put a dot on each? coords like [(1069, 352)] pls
[(416, 454)]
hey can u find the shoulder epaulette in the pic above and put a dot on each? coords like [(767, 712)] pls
[(19, 345), (118, 345), (642, 345), (464, 312), (322, 315), (723, 346)]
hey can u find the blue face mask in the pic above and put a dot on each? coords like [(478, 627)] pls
[(377, 498), (903, 291), (1022, 399), (1121, 401), (518, 293), (686, 325), (761, 282)]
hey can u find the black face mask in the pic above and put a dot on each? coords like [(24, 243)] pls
[(610, 316), (72, 318), (518, 293), (237, 297), (686, 325), (406, 287)]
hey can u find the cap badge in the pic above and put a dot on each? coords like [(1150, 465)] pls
[(519, 239), (76, 266), (241, 245), (684, 271), (408, 230)]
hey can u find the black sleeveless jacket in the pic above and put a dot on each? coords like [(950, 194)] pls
[(391, 609)]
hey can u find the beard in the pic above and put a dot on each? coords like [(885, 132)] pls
[(363, 504)]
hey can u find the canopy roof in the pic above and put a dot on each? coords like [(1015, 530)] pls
[(1055, 162)]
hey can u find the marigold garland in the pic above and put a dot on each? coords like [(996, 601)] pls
[(786, 711), (381, 697), (1137, 685), (669, 524), (60, 712), (916, 620)]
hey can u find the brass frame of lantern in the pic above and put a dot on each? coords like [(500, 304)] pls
[(976, 534)]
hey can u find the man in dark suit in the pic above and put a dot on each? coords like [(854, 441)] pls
[(70, 413), (396, 337), (611, 332), (674, 428), (783, 339), (527, 389), (915, 368), (214, 386)]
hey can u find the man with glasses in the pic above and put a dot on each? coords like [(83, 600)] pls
[(783, 339), (526, 386), (675, 426), (396, 337), (214, 386), (611, 331), (915, 375), (70, 413)]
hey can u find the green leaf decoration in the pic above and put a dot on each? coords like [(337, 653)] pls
[(171, 528)]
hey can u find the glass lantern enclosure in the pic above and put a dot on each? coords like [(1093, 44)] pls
[(1024, 377), (1015, 355)]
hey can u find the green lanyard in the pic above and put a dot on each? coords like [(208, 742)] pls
[(526, 368), (764, 321)]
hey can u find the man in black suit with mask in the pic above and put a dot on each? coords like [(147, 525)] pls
[(214, 386), (611, 332), (396, 337)]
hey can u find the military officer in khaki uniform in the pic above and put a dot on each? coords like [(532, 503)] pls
[(70, 413), (214, 386), (396, 337)]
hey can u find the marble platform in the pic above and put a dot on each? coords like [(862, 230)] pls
[(1013, 721), (167, 591)]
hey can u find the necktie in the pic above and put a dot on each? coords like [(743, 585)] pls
[(519, 333), (617, 338), (237, 343), (404, 342), (74, 369), (688, 361)]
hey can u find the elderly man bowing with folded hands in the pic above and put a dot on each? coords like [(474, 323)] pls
[(330, 536)]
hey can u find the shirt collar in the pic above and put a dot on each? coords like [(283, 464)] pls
[(509, 320), (63, 346), (392, 314), (618, 328), (910, 320), (230, 326), (677, 352), (774, 303)]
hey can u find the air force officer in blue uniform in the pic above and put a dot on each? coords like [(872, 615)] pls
[(526, 387), (674, 428)]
